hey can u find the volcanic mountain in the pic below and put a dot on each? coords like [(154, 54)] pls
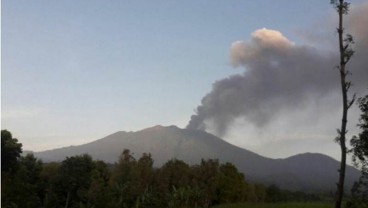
[(306, 172)]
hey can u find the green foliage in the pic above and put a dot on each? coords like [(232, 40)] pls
[(274, 194), (10, 151), (50, 177), (124, 181), (277, 205), (174, 173), (75, 179), (98, 192), (360, 158), (79, 181), (256, 193), (23, 188), (360, 142), (230, 184), (205, 177), (344, 7)]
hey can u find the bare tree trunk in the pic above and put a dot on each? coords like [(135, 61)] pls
[(345, 55), (342, 132)]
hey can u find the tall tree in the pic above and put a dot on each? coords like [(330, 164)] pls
[(10, 154), (360, 157), (75, 179), (344, 41), (50, 177), (20, 184), (123, 178), (26, 182), (230, 184), (10, 151), (360, 143), (98, 193)]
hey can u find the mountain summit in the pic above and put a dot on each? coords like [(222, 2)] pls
[(307, 172)]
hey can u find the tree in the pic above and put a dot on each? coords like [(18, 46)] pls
[(10, 151), (28, 182), (10, 154), (23, 188), (274, 194), (360, 143), (231, 185), (145, 174), (123, 181), (75, 179), (51, 178), (360, 157), (98, 193), (132, 182), (172, 178), (205, 176), (346, 53)]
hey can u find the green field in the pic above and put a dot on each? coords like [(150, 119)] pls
[(277, 205)]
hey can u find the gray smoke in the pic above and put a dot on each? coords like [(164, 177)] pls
[(279, 76)]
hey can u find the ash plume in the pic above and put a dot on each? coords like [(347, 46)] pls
[(279, 76)]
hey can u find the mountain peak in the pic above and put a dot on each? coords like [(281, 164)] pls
[(159, 128), (191, 146)]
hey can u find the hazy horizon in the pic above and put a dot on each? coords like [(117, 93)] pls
[(259, 75)]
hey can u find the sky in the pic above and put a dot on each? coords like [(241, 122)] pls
[(76, 71)]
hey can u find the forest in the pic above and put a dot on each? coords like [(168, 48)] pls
[(81, 181), (65, 60)]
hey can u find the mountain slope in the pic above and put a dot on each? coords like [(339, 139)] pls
[(308, 172)]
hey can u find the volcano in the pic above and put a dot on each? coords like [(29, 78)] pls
[(303, 172)]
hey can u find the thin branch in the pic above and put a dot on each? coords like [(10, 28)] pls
[(352, 101)]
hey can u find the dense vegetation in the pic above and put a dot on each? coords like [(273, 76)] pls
[(360, 158), (80, 181), (277, 205)]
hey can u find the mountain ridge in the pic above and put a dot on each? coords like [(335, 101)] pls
[(305, 171)]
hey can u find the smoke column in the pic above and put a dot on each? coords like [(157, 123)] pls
[(278, 76)]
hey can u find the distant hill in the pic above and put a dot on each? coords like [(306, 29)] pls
[(306, 172)]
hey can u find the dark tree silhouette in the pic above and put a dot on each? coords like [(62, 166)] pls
[(344, 41), (76, 179), (360, 157), (80, 181), (10, 151)]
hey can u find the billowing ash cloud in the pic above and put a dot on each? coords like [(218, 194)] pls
[(279, 76)]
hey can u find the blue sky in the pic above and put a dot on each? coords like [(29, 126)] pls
[(76, 71)]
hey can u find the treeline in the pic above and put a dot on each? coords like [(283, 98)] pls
[(80, 181)]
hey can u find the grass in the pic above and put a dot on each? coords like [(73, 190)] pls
[(277, 205)]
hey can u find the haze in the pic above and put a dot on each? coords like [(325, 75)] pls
[(260, 74)]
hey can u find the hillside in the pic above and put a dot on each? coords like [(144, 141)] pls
[(307, 172)]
